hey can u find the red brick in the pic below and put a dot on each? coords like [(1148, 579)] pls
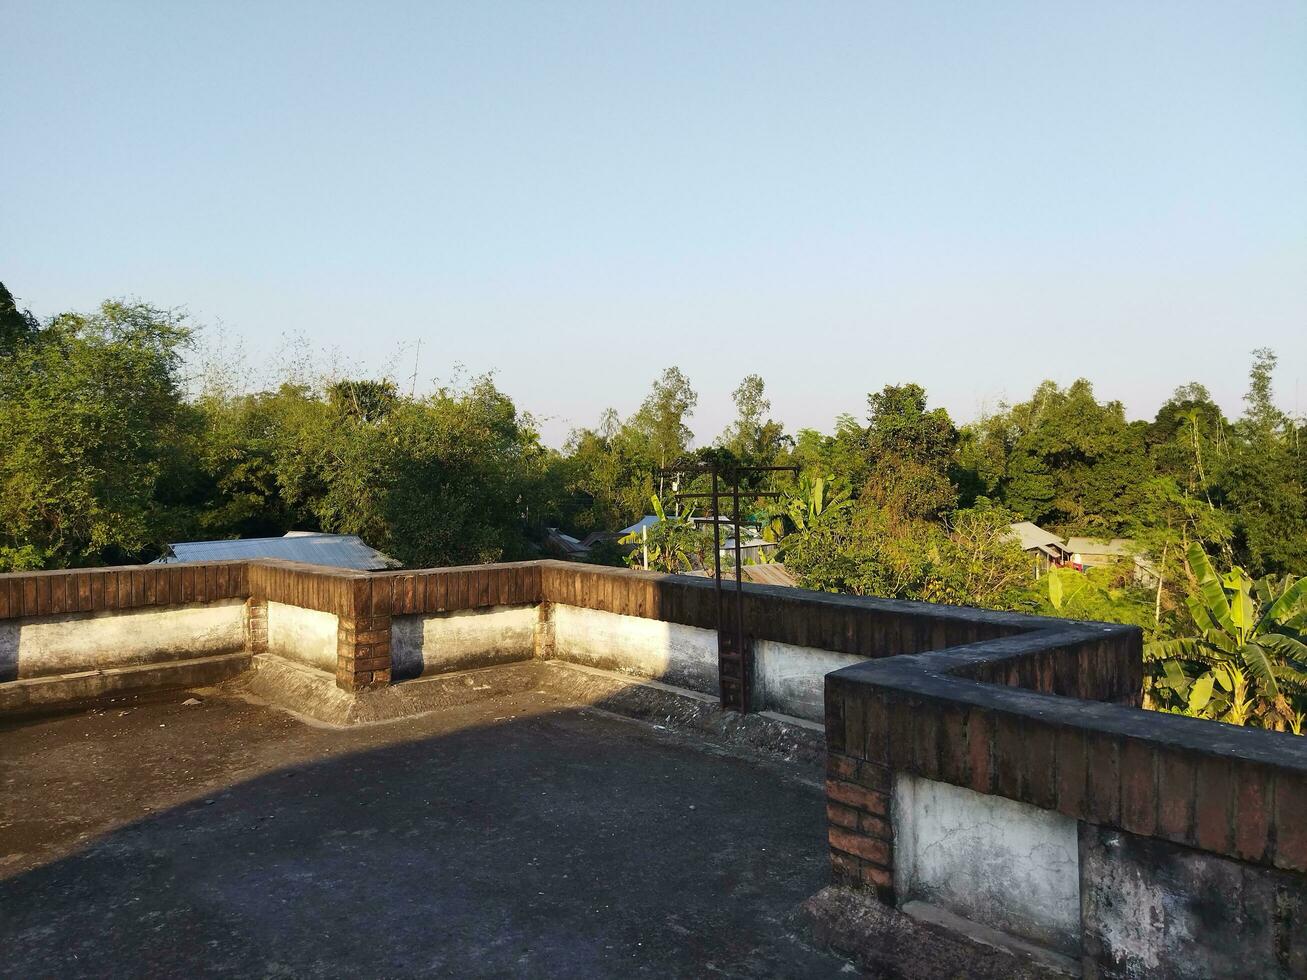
[(854, 727), (834, 717), (1252, 816), (902, 744), (369, 663), (842, 816), (29, 595), (881, 879), (874, 826), (382, 597), (83, 580), (978, 732), (872, 776), (1138, 786), (1039, 764), (1103, 787), (59, 595), (925, 740), (853, 795), (1214, 828), (1071, 772), (845, 868), (876, 729), (953, 745), (1291, 821), (1009, 757), (6, 600), (841, 767), (1176, 788), (858, 845), (44, 585)]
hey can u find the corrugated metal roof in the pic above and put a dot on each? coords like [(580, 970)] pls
[(1033, 536), (336, 550), (649, 520), (1101, 546)]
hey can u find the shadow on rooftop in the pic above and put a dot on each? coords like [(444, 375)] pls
[(553, 843)]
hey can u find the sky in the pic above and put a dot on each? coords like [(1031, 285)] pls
[(835, 196)]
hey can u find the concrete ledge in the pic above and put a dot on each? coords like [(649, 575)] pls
[(684, 710), (312, 695), (38, 694), (889, 943)]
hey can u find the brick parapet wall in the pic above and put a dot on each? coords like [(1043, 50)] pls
[(57, 593), (1235, 792), (860, 626)]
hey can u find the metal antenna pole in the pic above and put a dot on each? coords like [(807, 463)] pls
[(733, 663), (739, 601), (717, 551)]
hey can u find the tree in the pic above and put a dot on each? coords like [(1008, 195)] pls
[(447, 479), (672, 543), (16, 326), (661, 420), (910, 451), (92, 422), (753, 439), (1263, 480), (1244, 628), (1063, 460)]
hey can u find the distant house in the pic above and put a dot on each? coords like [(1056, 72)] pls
[(1046, 549), (752, 546), (564, 545), (313, 547), (1106, 552)]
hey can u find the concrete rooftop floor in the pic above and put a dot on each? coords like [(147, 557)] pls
[(522, 836)]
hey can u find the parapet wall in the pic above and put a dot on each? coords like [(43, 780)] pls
[(1139, 843), (993, 767)]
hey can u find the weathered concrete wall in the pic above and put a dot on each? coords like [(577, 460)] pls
[(791, 679), (1007, 865), (50, 645), (441, 642), (304, 635), (1155, 909), (682, 655)]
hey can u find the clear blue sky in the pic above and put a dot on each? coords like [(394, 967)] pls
[(974, 196)]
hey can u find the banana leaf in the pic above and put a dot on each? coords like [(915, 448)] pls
[(1261, 667), (1287, 605), (1210, 588)]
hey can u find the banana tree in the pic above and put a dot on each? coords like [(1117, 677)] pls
[(800, 511), (1246, 628), (671, 544)]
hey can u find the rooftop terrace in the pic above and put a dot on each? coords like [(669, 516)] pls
[(553, 769), (521, 835)]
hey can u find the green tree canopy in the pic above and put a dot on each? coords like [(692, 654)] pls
[(91, 420)]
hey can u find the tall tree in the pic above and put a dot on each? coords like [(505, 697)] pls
[(661, 420), (1066, 460), (1264, 481), (753, 438), (910, 450), (91, 419), (16, 326)]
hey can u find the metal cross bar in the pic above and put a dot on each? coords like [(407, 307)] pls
[(737, 655)]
